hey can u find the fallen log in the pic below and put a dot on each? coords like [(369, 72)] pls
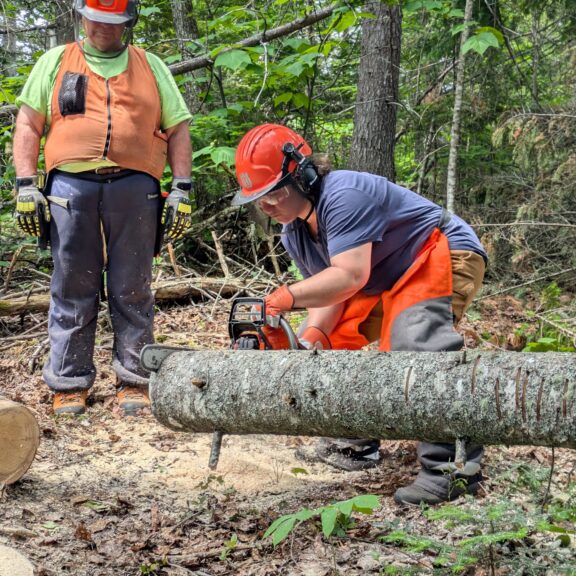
[(19, 440), (165, 291), (485, 398)]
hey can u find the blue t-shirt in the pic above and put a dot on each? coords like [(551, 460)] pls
[(356, 208)]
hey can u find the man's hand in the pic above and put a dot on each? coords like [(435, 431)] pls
[(281, 300), (32, 210), (177, 213)]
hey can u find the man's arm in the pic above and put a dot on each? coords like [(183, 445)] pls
[(179, 150), (26, 147)]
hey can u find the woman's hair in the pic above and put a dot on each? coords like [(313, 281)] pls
[(322, 163)]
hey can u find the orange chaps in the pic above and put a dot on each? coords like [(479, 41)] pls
[(417, 310)]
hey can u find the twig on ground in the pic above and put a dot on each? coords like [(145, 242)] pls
[(545, 277), (172, 256), (11, 268), (220, 253), (36, 354), (547, 493)]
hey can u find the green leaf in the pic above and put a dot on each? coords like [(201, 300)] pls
[(345, 507), (283, 98), (206, 151), (147, 10), (347, 20), (459, 27), (480, 43), (296, 43), (415, 5), (328, 517), (366, 502), (294, 69), (492, 30), (223, 155), (283, 530), (296, 471), (305, 514), (233, 59), (301, 100)]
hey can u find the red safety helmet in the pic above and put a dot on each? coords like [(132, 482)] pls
[(262, 164), (109, 11)]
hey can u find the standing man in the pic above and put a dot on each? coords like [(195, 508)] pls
[(379, 263), (114, 116)]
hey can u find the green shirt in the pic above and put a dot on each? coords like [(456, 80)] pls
[(37, 92)]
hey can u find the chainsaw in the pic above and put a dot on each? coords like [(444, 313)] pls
[(248, 330)]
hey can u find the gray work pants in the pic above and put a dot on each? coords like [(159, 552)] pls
[(111, 215)]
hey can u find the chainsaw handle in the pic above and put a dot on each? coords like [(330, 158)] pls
[(292, 339)]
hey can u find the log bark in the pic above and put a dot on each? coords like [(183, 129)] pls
[(487, 398), (19, 440)]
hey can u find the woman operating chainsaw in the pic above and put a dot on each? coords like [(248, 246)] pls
[(379, 263)]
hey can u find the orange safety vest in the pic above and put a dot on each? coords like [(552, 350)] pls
[(417, 309), (117, 119)]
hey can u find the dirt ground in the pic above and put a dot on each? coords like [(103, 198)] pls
[(109, 495)]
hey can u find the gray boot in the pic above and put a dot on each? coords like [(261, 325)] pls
[(417, 493), (343, 453), (440, 480)]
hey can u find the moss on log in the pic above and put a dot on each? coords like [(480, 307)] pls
[(488, 398)]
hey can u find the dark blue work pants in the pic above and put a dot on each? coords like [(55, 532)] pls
[(112, 216)]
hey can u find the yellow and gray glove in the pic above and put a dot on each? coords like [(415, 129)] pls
[(32, 210), (177, 213)]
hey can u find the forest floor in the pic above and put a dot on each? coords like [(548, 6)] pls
[(108, 495)]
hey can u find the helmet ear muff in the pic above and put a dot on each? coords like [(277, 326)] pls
[(305, 169)]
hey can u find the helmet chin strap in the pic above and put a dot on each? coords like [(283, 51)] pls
[(299, 222)]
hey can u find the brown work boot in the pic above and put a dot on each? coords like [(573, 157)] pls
[(70, 402), (132, 399)]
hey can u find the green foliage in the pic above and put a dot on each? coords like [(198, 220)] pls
[(153, 568), (229, 546), (481, 41), (335, 518), (546, 344), (497, 532)]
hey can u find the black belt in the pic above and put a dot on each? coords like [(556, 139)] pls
[(100, 174), (106, 170)]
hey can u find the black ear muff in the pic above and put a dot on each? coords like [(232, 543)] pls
[(304, 166)]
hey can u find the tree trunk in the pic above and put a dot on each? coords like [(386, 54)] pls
[(19, 440), (451, 179), (487, 398), (377, 98), (186, 29)]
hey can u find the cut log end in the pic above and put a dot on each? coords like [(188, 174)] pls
[(19, 440)]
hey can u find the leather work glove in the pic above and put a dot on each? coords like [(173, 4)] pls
[(314, 339), (32, 210), (177, 212), (281, 300), (277, 338)]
